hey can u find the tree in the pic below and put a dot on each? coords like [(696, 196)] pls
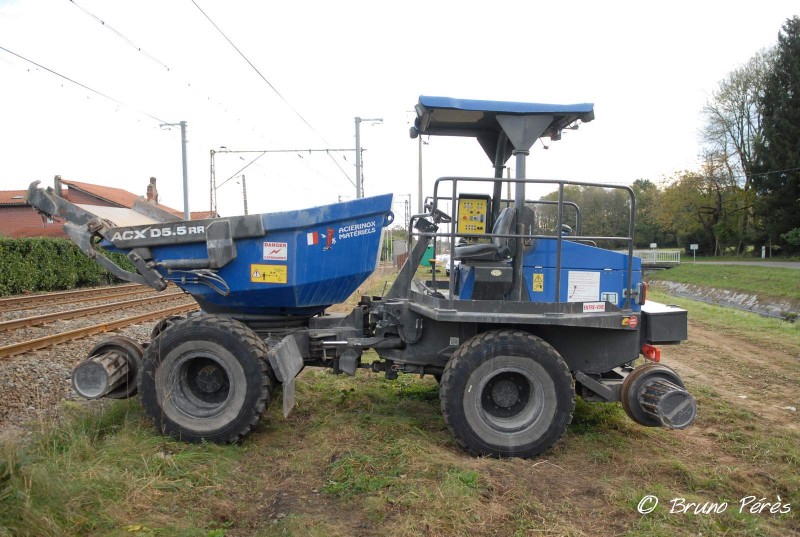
[(778, 152), (733, 117), (702, 208), (734, 127), (604, 211), (648, 230)]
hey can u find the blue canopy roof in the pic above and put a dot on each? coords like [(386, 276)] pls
[(445, 116), (468, 117)]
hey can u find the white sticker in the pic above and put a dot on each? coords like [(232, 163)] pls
[(583, 286), (610, 297), (276, 251), (593, 307)]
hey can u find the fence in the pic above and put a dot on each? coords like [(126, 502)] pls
[(658, 258)]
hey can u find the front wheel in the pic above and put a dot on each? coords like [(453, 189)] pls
[(507, 393), (206, 378)]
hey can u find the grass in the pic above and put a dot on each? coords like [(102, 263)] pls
[(368, 456), (746, 258), (92, 474), (761, 281), (762, 330)]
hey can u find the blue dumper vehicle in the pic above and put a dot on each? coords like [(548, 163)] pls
[(531, 315)]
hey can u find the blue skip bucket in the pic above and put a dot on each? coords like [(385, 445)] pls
[(287, 263)]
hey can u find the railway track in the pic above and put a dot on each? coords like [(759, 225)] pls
[(54, 339), (83, 312), (19, 303)]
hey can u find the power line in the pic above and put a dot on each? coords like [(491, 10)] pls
[(84, 86), (148, 55), (264, 152), (771, 172), (243, 168), (272, 87), (131, 43)]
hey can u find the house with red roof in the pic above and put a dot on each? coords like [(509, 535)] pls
[(19, 220)]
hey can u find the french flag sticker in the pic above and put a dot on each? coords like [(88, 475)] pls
[(312, 238)]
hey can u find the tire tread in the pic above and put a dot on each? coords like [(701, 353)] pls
[(243, 333), (461, 355)]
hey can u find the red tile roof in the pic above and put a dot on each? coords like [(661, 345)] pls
[(123, 198), (117, 196), (202, 215), (126, 199), (13, 197)]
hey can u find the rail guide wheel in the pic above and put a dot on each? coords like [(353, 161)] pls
[(206, 378), (654, 395), (507, 393), (111, 370)]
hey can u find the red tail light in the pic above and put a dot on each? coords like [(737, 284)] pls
[(651, 353)]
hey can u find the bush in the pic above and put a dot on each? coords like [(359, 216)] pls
[(42, 264), (792, 237)]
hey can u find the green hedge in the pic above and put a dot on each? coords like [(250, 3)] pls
[(41, 264)]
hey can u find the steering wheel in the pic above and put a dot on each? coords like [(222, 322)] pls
[(438, 215)]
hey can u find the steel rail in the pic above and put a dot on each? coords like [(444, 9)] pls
[(49, 341), (77, 295), (83, 312)]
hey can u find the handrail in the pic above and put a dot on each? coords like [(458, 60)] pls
[(519, 236)]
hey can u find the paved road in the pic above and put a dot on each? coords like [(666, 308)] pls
[(774, 264)]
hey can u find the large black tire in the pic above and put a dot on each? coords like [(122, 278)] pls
[(507, 393), (206, 379)]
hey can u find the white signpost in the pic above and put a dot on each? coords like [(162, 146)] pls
[(693, 248)]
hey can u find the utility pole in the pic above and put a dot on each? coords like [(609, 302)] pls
[(359, 185), (182, 125), (186, 215), (222, 149), (212, 204), (244, 194)]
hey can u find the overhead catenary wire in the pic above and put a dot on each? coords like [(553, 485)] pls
[(124, 38), (272, 87), (145, 53), (240, 170), (84, 86), (745, 176), (264, 152)]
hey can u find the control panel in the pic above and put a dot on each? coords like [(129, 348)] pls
[(473, 214)]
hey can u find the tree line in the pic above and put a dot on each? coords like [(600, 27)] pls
[(746, 193)]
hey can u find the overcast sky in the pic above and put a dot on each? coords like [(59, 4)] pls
[(648, 68)]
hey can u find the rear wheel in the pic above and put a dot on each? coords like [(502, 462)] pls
[(507, 393), (206, 378)]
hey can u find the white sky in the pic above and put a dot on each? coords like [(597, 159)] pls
[(648, 67)]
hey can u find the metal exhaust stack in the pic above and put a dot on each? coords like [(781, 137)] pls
[(111, 370), (654, 395)]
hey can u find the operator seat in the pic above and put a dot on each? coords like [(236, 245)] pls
[(501, 247)]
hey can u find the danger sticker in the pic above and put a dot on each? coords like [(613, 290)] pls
[(633, 322), (538, 283), (268, 273), (276, 251), (593, 307)]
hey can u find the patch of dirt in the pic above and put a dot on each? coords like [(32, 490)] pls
[(763, 380)]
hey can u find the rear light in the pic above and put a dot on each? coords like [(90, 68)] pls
[(642, 295), (651, 353)]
